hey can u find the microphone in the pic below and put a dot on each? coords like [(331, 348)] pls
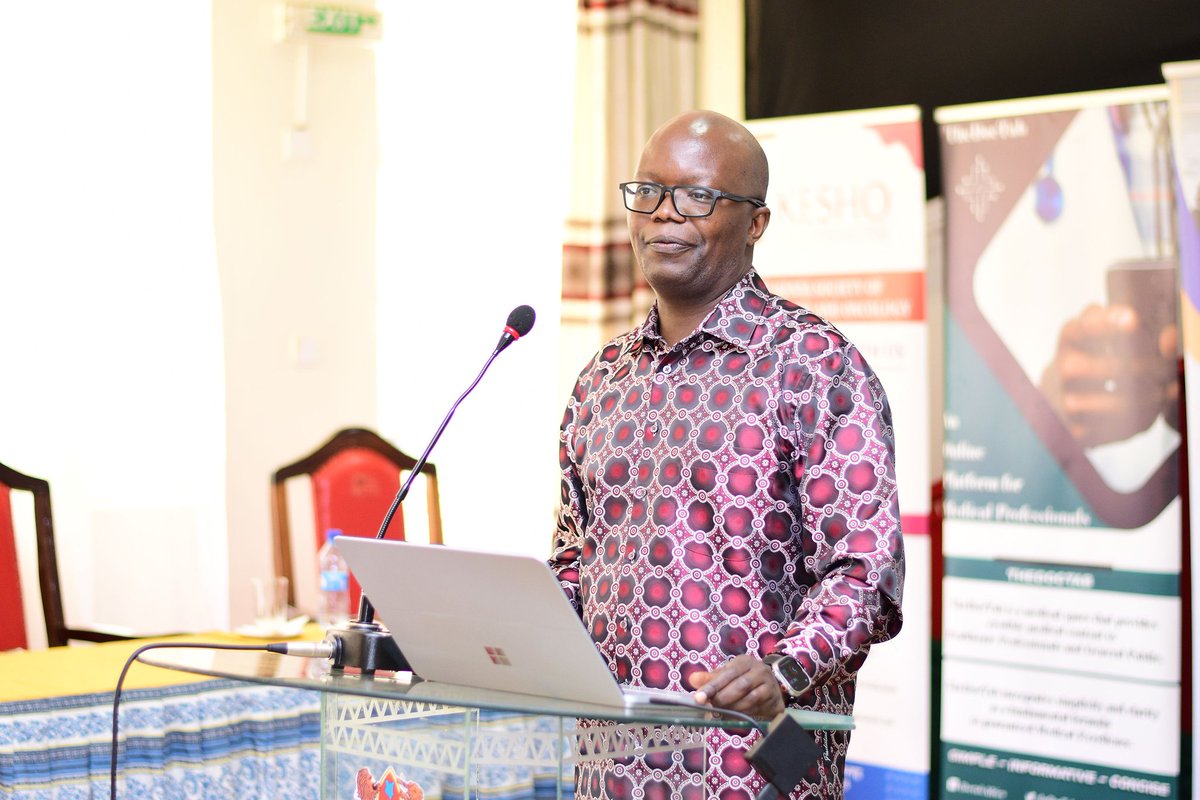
[(520, 322), (363, 642)]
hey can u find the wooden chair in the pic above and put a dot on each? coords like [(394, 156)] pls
[(355, 477), (13, 633)]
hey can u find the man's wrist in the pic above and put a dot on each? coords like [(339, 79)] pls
[(788, 674)]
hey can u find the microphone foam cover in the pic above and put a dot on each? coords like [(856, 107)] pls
[(520, 319)]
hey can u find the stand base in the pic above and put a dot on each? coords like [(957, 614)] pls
[(367, 646)]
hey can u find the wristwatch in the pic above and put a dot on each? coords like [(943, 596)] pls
[(788, 673)]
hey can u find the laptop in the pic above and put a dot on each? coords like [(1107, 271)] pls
[(489, 621)]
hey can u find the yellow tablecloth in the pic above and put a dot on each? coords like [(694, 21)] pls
[(90, 668)]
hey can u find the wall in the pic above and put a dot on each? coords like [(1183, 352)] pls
[(366, 282), (474, 133), (110, 309), (474, 150), (295, 246), (722, 54)]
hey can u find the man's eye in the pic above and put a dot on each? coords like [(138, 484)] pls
[(646, 190), (700, 195)]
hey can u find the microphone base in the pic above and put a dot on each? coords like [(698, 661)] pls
[(366, 646)]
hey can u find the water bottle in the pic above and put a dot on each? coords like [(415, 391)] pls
[(333, 607)]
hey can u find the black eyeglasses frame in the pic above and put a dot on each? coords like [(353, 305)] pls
[(663, 190)]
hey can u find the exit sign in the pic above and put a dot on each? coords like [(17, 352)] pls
[(324, 22)]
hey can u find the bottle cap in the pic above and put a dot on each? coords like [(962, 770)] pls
[(332, 534)]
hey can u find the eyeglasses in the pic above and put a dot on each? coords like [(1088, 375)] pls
[(689, 201)]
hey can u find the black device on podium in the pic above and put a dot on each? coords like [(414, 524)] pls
[(787, 751), (363, 643)]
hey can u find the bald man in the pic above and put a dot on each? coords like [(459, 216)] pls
[(729, 519)]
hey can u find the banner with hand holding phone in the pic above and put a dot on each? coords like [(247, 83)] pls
[(1061, 609)]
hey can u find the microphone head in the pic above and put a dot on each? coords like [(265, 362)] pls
[(520, 319)]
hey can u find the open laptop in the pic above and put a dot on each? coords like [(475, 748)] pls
[(487, 620)]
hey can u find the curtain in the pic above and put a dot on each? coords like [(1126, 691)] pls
[(635, 69)]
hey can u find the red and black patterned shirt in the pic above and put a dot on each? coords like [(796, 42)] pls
[(734, 493)]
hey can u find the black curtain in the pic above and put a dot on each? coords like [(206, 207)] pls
[(810, 56)]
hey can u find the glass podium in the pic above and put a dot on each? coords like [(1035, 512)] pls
[(399, 737)]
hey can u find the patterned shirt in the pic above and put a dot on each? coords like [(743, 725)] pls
[(734, 493)]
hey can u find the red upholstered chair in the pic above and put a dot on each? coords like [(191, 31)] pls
[(13, 633), (355, 476)]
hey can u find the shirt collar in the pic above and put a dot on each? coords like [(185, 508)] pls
[(737, 317)]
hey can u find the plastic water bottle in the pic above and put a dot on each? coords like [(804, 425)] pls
[(334, 604)]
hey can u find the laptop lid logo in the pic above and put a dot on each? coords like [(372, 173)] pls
[(497, 655)]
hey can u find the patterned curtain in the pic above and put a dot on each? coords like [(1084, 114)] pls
[(635, 68)]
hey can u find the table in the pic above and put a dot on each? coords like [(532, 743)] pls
[(182, 734)]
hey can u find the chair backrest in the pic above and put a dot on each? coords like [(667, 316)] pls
[(13, 632), (355, 477)]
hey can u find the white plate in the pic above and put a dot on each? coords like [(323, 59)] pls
[(289, 630)]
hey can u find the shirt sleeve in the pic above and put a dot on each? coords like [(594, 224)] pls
[(572, 513), (846, 479)]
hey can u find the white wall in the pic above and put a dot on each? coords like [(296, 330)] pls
[(475, 134), (722, 57), (475, 115), (438, 114), (295, 246), (109, 306)]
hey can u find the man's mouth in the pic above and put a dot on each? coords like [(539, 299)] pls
[(667, 244)]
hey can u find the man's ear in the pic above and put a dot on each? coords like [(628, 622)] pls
[(758, 225)]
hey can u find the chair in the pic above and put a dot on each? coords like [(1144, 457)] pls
[(13, 633), (355, 477)]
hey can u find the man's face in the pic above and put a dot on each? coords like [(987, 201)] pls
[(694, 260)]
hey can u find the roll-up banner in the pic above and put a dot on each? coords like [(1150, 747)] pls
[(847, 240), (1062, 535), (1183, 86)]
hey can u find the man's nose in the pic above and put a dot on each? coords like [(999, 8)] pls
[(666, 209)]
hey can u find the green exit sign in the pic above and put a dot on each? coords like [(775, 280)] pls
[(318, 21)]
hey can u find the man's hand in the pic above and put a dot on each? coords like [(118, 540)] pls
[(1109, 378), (743, 684)]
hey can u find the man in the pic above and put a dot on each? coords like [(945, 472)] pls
[(729, 518)]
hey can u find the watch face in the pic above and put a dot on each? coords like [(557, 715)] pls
[(789, 671)]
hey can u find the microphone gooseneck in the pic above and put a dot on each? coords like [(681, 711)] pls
[(520, 322), (364, 639)]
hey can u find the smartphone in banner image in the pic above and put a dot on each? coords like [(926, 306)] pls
[(1150, 286)]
